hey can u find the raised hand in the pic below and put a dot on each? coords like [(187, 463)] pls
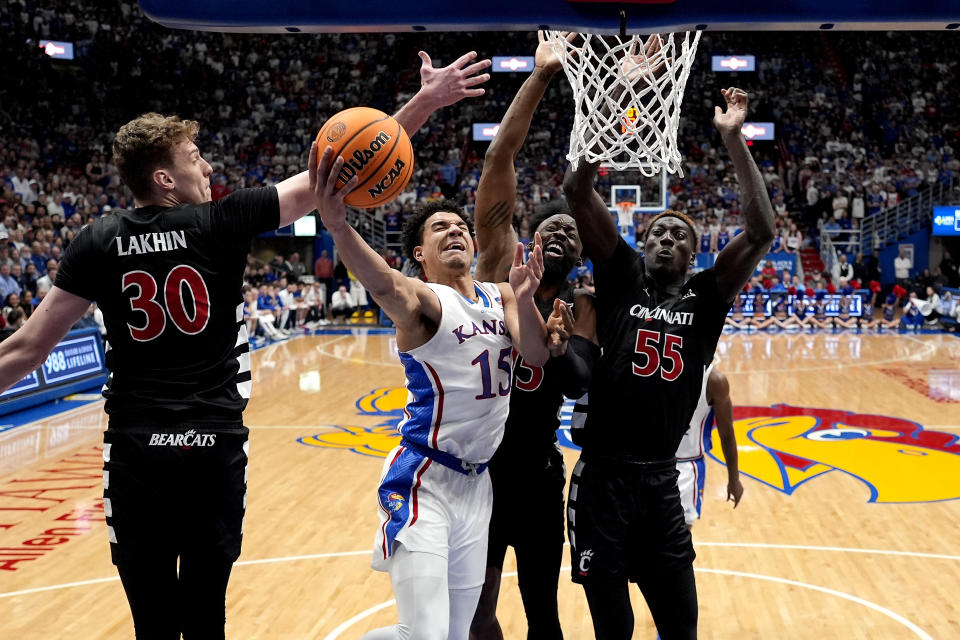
[(731, 121), (443, 87), (647, 66), (323, 180), (546, 56), (560, 326), (525, 278)]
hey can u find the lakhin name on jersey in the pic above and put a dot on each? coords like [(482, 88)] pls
[(659, 313), (188, 439), (151, 242)]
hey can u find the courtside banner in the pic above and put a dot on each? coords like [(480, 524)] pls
[(76, 363)]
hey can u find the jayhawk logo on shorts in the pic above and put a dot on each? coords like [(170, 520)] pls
[(395, 501), (897, 460), (387, 402)]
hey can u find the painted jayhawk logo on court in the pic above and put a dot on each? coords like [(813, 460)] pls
[(896, 460), (782, 447), (376, 441)]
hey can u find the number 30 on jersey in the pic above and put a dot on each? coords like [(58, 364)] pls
[(143, 288)]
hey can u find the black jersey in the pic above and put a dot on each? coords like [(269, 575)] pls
[(655, 351), (535, 398), (168, 281)]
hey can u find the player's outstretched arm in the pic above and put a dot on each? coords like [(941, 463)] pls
[(27, 348), (404, 299), (736, 263), (597, 230), (439, 88), (520, 314), (718, 393), (497, 191), (442, 87)]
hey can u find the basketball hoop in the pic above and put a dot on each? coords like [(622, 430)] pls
[(625, 214), (627, 94)]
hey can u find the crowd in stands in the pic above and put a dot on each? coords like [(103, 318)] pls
[(864, 121)]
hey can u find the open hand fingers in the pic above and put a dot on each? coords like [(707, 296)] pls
[(568, 322), (330, 176), (476, 67), (464, 59), (518, 256)]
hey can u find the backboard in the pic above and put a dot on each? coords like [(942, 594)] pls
[(597, 17)]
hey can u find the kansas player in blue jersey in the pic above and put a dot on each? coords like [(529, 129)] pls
[(714, 407), (456, 338), (658, 331)]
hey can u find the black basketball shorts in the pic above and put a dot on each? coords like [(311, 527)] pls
[(625, 519), (527, 502), (174, 488)]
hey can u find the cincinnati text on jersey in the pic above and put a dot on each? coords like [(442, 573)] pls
[(188, 439), (659, 313), (161, 241)]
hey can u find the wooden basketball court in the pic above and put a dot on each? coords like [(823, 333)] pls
[(807, 555)]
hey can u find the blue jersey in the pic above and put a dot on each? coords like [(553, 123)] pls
[(723, 238), (705, 242)]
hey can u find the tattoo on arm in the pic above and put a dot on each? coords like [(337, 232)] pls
[(499, 213), (542, 75)]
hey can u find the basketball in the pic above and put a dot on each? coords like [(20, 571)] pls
[(375, 147)]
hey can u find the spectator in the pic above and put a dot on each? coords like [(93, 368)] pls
[(794, 239), (901, 268), (767, 273), (47, 281), (842, 269), (11, 302), (341, 306), (949, 270), (8, 284), (297, 268), (27, 303), (14, 320), (323, 272)]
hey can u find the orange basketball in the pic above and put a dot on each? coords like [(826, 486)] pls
[(375, 147)]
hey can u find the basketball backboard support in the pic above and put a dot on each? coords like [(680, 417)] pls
[(280, 16)]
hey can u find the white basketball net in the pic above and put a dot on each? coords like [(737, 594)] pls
[(627, 99)]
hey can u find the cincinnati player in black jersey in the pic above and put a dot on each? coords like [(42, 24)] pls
[(527, 471), (658, 331), (168, 278)]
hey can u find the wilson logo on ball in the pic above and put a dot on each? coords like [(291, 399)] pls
[(362, 157), (376, 153), (336, 132)]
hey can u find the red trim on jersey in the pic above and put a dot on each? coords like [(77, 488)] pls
[(414, 492), (436, 381), (397, 456)]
